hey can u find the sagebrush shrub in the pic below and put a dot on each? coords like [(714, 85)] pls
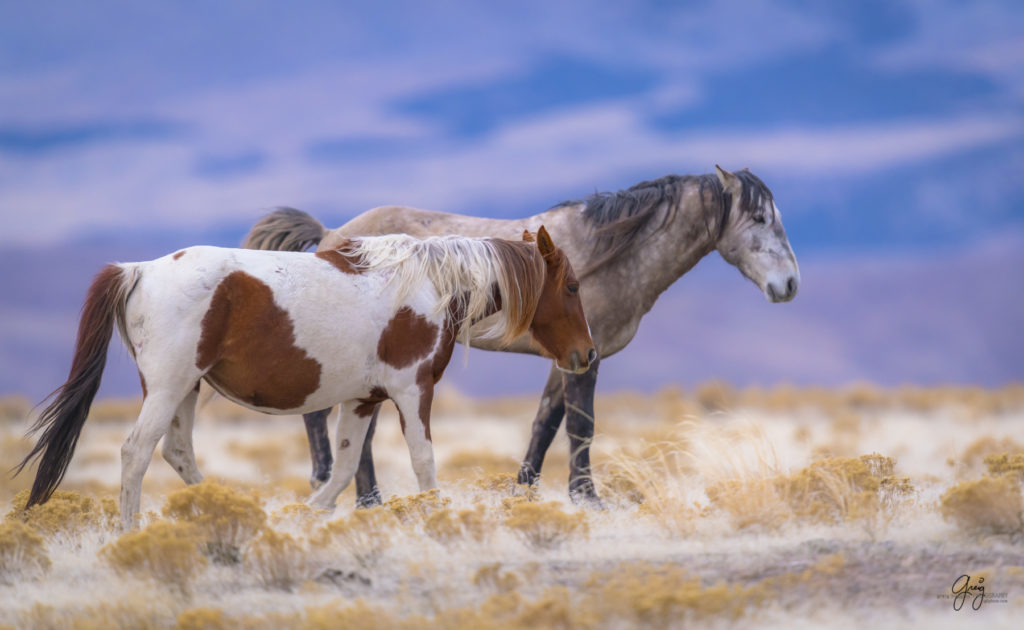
[(166, 551), (66, 513), (226, 518), (278, 560), (990, 505), (545, 525), (365, 533), (22, 552)]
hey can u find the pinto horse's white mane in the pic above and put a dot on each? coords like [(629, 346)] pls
[(464, 272)]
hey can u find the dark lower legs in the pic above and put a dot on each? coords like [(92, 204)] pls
[(579, 424), (367, 492), (319, 446), (545, 426)]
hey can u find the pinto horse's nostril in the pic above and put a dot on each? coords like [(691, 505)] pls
[(591, 355)]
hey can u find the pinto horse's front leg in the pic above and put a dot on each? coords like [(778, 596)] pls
[(579, 424), (414, 412)]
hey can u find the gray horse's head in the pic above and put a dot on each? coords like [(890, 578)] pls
[(752, 237)]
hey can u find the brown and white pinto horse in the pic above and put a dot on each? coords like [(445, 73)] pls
[(287, 333)]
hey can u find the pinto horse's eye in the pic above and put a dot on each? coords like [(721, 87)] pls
[(574, 288)]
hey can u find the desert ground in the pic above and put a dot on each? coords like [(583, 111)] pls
[(781, 508)]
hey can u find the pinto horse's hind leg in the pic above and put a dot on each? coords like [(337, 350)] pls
[(349, 438), (367, 492), (319, 446), (177, 449), (545, 426), (579, 424), (154, 420)]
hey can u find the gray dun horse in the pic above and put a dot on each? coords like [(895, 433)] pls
[(628, 246), (371, 319)]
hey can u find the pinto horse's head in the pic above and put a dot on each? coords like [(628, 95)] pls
[(559, 326), (752, 238)]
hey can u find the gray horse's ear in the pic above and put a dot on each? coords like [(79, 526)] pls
[(544, 242), (727, 179), (528, 237)]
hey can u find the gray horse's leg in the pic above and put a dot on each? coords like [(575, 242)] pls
[(367, 492), (545, 426), (579, 424), (319, 446)]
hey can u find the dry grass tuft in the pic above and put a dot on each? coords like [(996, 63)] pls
[(202, 619), (505, 485), (22, 552), (168, 552), (990, 505), (449, 526), (545, 525), (226, 518), (365, 534), (65, 514), (1006, 464), (416, 508), (278, 560)]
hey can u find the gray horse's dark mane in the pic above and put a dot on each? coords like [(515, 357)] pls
[(618, 220)]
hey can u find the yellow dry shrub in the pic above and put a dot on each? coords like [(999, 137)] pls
[(22, 552), (663, 596), (990, 505), (365, 534), (203, 619), (450, 526), (750, 504), (982, 447), (66, 513), (716, 396), (1006, 464), (226, 518), (415, 508), (115, 410), (464, 463), (129, 612), (832, 490), (165, 551), (506, 485), (545, 525), (298, 515), (278, 560), (14, 408), (492, 577)]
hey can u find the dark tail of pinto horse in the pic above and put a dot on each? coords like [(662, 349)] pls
[(64, 417)]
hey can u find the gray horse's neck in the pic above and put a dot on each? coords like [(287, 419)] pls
[(630, 286)]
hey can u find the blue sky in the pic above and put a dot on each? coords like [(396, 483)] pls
[(885, 129)]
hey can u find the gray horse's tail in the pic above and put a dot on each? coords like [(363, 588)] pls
[(64, 417), (287, 230)]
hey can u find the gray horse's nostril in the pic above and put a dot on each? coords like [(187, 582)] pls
[(791, 286), (592, 355)]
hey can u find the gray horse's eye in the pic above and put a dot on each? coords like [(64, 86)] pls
[(759, 217)]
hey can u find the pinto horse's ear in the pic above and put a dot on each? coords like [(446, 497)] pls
[(544, 242), (727, 179), (528, 237)]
